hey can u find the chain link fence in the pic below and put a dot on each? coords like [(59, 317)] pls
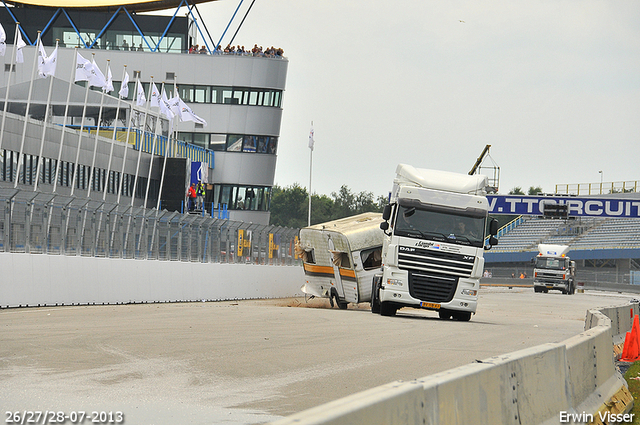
[(40, 223)]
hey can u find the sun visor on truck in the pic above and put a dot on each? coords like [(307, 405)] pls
[(441, 180)]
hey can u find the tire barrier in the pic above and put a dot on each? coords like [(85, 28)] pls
[(574, 381)]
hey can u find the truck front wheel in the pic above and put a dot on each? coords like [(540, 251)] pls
[(445, 314), (462, 316), (387, 309)]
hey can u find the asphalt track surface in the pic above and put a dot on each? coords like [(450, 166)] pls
[(251, 362)]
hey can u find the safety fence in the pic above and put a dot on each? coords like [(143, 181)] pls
[(52, 224)]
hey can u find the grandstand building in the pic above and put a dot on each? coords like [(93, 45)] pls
[(606, 249), (56, 151)]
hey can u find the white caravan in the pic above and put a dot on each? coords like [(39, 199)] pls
[(432, 254), (340, 258)]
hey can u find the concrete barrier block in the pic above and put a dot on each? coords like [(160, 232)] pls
[(477, 393), (397, 403), (537, 375)]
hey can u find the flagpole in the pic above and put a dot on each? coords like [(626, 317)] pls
[(144, 124), (84, 112), (11, 68), (135, 178), (154, 141), (26, 114), (44, 127), (310, 169), (95, 146), (113, 139), (74, 64), (166, 151)]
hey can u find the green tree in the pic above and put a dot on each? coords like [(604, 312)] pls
[(516, 191), (289, 206), (535, 190)]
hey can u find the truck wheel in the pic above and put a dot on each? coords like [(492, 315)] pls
[(573, 288), (342, 305), (462, 316), (444, 314), (387, 309), (537, 289), (375, 299)]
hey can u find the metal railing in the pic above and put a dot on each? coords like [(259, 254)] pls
[(39, 223)]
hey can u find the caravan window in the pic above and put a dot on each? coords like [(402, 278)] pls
[(371, 258), (341, 259)]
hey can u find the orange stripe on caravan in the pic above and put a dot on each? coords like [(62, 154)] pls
[(348, 273), (312, 268)]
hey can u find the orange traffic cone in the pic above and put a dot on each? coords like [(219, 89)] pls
[(631, 350)]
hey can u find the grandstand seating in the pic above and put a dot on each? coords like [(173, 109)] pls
[(582, 233)]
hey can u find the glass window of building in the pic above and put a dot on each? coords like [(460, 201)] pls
[(217, 142), (234, 143)]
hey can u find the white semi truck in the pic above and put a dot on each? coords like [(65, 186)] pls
[(554, 270), (432, 257)]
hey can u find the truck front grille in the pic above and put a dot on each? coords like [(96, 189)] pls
[(433, 275)]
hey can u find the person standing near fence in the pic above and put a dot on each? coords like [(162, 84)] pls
[(191, 197), (200, 194)]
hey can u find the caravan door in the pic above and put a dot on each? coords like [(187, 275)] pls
[(343, 272)]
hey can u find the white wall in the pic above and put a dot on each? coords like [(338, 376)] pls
[(32, 279)]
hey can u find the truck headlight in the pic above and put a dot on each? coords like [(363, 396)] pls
[(471, 292), (396, 282)]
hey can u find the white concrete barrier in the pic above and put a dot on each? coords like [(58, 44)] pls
[(568, 382), (35, 279)]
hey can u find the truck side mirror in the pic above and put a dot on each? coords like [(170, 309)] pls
[(384, 225), (386, 213), (492, 241), (493, 228)]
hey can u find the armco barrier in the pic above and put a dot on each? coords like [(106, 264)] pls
[(540, 385)]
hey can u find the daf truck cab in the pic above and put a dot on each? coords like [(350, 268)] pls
[(554, 269), (432, 257)]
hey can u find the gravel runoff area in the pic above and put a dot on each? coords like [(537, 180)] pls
[(248, 362)]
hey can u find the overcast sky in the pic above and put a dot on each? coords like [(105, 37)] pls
[(553, 87)]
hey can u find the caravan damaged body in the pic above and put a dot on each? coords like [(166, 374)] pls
[(340, 258)]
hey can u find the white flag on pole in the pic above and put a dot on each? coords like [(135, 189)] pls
[(155, 96), (83, 69), (47, 64), (97, 78), (3, 41), (311, 141), (165, 107), (141, 99), (108, 88), (174, 104), (19, 45), (186, 114), (124, 87)]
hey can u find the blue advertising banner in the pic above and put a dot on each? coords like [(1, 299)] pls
[(199, 172), (576, 206)]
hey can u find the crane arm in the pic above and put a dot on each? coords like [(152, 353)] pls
[(479, 161)]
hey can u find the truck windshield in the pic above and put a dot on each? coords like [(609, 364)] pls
[(551, 263), (422, 223)]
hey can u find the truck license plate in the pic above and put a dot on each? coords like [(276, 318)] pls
[(430, 305)]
